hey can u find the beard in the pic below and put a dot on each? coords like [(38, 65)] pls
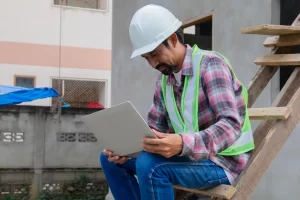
[(165, 68)]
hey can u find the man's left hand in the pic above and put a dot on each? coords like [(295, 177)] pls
[(166, 145)]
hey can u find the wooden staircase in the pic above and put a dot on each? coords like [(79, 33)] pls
[(278, 121)]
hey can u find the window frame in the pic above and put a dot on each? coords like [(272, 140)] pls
[(24, 76), (87, 9), (198, 20), (106, 87)]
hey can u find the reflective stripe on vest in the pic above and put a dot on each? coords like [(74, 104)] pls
[(189, 107)]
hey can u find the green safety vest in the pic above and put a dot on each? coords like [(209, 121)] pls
[(188, 123)]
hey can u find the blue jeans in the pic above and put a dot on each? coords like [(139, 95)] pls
[(157, 174)]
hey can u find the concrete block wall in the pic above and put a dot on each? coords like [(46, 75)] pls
[(31, 153), (40, 147)]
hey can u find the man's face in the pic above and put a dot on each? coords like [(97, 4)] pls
[(162, 58)]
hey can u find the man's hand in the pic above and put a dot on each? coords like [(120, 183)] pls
[(166, 145), (116, 159)]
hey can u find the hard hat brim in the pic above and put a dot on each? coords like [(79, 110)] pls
[(152, 46), (145, 49)]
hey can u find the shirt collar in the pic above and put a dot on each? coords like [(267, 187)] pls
[(187, 67)]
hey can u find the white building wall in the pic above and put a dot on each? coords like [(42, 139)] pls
[(38, 21), (42, 23)]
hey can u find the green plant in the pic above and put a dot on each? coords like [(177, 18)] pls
[(81, 188), (10, 197), (14, 197)]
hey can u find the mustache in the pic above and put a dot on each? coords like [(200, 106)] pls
[(166, 66)]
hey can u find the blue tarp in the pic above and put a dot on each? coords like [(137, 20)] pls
[(16, 95)]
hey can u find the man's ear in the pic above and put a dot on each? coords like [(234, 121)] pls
[(173, 39)]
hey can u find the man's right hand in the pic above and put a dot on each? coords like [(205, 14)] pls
[(116, 159)]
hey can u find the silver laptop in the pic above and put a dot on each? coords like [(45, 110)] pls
[(119, 129)]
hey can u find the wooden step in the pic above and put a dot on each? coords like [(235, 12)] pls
[(278, 60), (221, 191), (282, 41), (268, 29), (273, 113)]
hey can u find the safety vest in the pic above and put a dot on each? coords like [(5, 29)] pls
[(188, 121)]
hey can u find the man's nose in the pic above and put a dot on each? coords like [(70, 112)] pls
[(154, 64)]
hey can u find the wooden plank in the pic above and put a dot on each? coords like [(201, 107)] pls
[(273, 113), (265, 74), (282, 41), (267, 150), (221, 191), (270, 29), (278, 60), (197, 20)]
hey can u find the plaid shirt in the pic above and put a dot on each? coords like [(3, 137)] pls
[(221, 113)]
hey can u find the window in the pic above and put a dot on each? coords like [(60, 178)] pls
[(92, 4), (199, 31), (81, 93), (25, 81)]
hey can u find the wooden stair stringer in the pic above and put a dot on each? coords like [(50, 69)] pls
[(269, 138), (268, 148), (281, 100)]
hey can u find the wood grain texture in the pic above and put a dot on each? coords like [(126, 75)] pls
[(265, 74), (259, 82), (269, 132), (281, 100), (278, 60), (282, 41), (221, 191), (272, 113), (267, 150), (270, 29)]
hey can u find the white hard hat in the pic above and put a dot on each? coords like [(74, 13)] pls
[(150, 26)]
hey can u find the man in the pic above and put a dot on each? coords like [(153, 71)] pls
[(198, 98)]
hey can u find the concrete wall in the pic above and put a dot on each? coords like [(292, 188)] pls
[(40, 147), (32, 154), (134, 79)]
